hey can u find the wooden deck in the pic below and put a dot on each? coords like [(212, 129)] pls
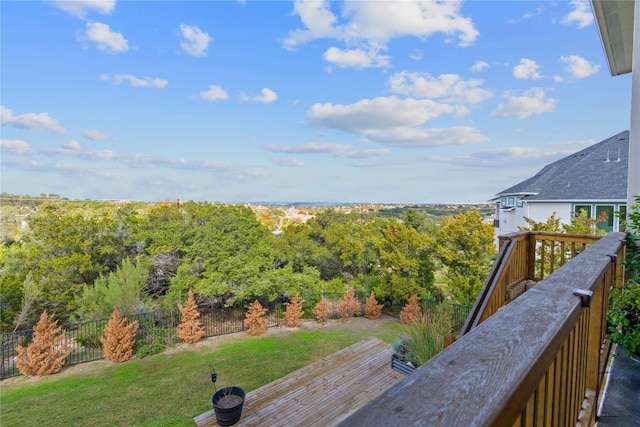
[(322, 393)]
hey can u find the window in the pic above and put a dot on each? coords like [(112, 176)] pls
[(511, 202), (519, 202), (586, 208), (607, 224), (503, 201), (622, 218)]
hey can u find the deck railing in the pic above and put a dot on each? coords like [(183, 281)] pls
[(537, 361), (523, 259)]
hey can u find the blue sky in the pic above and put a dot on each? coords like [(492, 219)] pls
[(342, 101)]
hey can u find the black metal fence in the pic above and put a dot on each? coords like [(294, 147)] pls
[(158, 328)]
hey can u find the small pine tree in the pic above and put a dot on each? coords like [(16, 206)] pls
[(372, 310), (348, 305), (411, 312), (321, 310), (190, 330), (255, 322), (293, 313), (119, 337), (47, 352)]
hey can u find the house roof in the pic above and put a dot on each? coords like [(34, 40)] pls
[(615, 25), (598, 172)]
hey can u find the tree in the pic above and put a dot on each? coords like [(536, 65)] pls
[(119, 337), (406, 264), (321, 310), (348, 306), (190, 329), (466, 249), (415, 219), (47, 352), (372, 310), (580, 224), (30, 291), (66, 249), (255, 322), (121, 289), (353, 245), (553, 224), (293, 313), (411, 312), (229, 257)]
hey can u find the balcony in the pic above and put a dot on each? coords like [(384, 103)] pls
[(535, 358)]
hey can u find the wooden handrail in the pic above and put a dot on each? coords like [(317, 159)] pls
[(488, 289), (535, 362), (525, 255)]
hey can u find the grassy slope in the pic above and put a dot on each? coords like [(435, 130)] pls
[(169, 389)]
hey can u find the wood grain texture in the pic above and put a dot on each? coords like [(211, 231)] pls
[(533, 348), (322, 393)]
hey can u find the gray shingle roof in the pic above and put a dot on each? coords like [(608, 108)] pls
[(585, 175)]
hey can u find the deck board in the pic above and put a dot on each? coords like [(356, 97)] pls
[(321, 393)]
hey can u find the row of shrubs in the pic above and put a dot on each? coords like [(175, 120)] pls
[(48, 350)]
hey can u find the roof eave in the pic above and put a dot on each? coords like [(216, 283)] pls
[(614, 20)]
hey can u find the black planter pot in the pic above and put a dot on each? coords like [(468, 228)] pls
[(228, 415), (400, 365)]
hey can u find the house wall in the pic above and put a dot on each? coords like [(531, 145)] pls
[(542, 211), (633, 189), (508, 221)]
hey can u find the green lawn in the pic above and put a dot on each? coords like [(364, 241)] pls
[(169, 389)]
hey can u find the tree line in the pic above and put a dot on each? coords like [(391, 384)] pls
[(82, 260)]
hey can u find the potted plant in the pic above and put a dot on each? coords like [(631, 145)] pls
[(401, 358), (227, 402), (422, 339)]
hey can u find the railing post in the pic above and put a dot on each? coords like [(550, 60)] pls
[(531, 256)]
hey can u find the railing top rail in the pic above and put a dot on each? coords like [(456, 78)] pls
[(487, 375), (488, 287), (578, 238), (518, 235)]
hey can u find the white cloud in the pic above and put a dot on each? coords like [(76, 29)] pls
[(104, 38), (517, 156), (530, 102), (479, 66), (214, 93), (415, 54), (579, 67), (394, 121), (31, 121), (581, 14), (377, 113), (95, 135), (15, 146), (356, 58), (382, 21), (368, 26), (427, 137), (318, 20), (450, 87), (527, 69), (79, 8), (267, 96), (72, 145), (289, 162), (336, 150), (135, 81), (536, 12), (195, 41)]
